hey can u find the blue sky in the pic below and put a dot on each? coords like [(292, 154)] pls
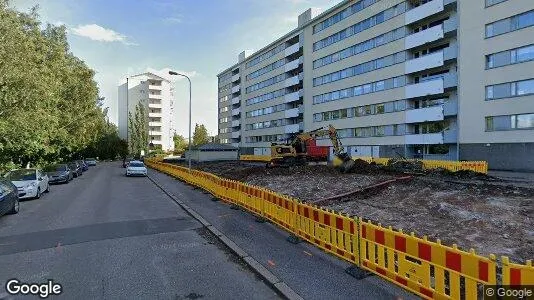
[(199, 37)]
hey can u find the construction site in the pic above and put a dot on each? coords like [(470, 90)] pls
[(472, 210)]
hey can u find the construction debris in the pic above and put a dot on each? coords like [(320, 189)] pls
[(465, 208)]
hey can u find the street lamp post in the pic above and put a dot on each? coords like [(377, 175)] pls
[(189, 146), (127, 116)]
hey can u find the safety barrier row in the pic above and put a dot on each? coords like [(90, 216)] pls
[(453, 166), (426, 268), (265, 158)]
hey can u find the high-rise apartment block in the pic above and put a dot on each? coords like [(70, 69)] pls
[(433, 79)]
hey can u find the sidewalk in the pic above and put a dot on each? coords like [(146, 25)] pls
[(521, 179), (310, 272)]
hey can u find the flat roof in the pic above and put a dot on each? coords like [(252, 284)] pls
[(321, 15)]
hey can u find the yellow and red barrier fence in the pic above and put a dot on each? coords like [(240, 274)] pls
[(426, 268), (453, 166)]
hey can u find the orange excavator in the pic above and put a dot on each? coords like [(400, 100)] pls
[(301, 149)]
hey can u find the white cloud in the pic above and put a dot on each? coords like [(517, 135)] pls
[(173, 20), (99, 33)]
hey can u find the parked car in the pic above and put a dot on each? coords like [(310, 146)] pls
[(91, 161), (60, 173), (84, 166), (136, 168), (75, 168), (30, 183), (9, 197)]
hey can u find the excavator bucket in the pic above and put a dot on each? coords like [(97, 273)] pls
[(347, 166)]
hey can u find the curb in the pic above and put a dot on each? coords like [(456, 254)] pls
[(274, 282)]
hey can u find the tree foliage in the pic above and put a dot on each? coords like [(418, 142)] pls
[(138, 130), (200, 135), (180, 143), (49, 104)]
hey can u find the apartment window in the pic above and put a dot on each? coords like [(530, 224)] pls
[(493, 2), (511, 122), (361, 26), (510, 24), (510, 89)]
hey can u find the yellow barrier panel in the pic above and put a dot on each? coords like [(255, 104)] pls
[(453, 166), (429, 269), (332, 232), (517, 275), (265, 158)]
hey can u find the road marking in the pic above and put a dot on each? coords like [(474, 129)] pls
[(7, 244), (308, 253), (270, 262)]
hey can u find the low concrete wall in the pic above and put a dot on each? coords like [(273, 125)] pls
[(510, 157)]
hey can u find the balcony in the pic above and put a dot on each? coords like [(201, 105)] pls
[(427, 114), (157, 142), (431, 34), (235, 78), (450, 136), (424, 139), (154, 115), (292, 65), (292, 49), (293, 128), (450, 108), (291, 81), (235, 89), (155, 124), (155, 87), (432, 60), (155, 133), (291, 113), (155, 96), (236, 134), (292, 97), (432, 87), (154, 105), (236, 123), (426, 10), (236, 100), (236, 111)]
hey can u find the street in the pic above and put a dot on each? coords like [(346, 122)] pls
[(106, 236)]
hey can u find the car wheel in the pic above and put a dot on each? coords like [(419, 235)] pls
[(38, 193), (15, 209), (47, 188)]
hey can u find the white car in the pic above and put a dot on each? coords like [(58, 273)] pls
[(30, 183), (136, 168)]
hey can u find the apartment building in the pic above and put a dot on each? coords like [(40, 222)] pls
[(157, 95), (433, 79)]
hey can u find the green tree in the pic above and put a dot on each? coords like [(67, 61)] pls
[(48, 98), (138, 130), (200, 135), (180, 143)]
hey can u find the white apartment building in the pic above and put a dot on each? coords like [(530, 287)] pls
[(157, 95), (433, 79)]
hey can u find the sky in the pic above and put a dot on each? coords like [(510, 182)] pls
[(200, 38)]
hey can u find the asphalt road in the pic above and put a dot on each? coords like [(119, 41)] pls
[(106, 236), (310, 272)]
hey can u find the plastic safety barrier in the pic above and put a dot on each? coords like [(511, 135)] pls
[(453, 166), (426, 268)]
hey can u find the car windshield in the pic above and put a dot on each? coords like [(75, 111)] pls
[(21, 175), (136, 165)]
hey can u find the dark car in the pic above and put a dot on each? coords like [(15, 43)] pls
[(90, 161), (126, 161), (60, 173), (75, 168), (9, 197), (83, 164)]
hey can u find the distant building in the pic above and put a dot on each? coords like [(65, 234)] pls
[(157, 94), (212, 152), (433, 79)]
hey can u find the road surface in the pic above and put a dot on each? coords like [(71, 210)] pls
[(106, 236)]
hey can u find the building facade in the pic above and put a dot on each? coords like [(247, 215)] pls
[(157, 95), (433, 79)]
